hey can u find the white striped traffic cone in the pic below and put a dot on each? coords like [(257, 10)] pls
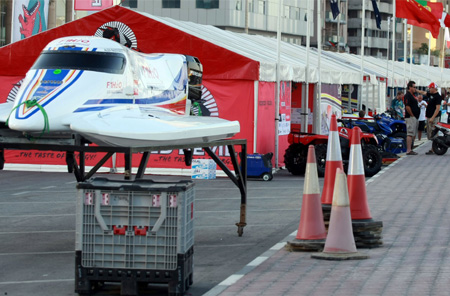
[(311, 232), (340, 243), (356, 179), (334, 161)]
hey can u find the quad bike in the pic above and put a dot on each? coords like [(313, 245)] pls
[(441, 143), (296, 154), (398, 126), (390, 133)]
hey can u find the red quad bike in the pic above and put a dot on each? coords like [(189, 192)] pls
[(296, 154)]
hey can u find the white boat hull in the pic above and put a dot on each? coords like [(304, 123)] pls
[(132, 126)]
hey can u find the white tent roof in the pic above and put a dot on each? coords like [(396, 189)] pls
[(336, 68)]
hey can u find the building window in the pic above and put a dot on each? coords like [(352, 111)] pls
[(251, 6), (2, 24), (171, 3), (238, 4), (287, 13), (262, 7), (207, 4), (297, 13), (131, 3)]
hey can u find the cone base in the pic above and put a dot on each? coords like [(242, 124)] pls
[(367, 234), (340, 256), (306, 245)]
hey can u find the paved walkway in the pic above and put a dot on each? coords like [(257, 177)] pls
[(411, 197)]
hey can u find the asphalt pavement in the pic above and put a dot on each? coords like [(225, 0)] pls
[(411, 198), (37, 240)]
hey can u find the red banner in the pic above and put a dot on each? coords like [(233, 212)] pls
[(229, 82), (49, 157), (266, 118)]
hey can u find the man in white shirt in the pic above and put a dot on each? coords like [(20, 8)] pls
[(446, 102), (422, 118)]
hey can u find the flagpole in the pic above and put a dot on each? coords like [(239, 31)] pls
[(277, 91), (443, 49), (429, 52), (305, 101), (363, 28), (405, 39), (410, 50), (338, 25), (317, 123), (387, 53), (394, 29)]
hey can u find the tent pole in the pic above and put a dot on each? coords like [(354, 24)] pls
[(277, 91), (255, 114), (317, 111), (305, 100), (363, 28)]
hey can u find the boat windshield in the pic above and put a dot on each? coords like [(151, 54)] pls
[(108, 62)]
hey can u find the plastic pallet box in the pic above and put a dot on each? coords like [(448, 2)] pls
[(134, 232)]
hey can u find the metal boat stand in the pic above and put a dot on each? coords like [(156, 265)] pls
[(80, 145)]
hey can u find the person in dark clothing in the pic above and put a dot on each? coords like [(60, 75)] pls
[(433, 112), (412, 112)]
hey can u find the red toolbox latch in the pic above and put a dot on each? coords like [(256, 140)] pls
[(140, 230), (119, 230)]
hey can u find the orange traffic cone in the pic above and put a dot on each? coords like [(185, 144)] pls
[(356, 181), (340, 243), (366, 231), (311, 232), (333, 162)]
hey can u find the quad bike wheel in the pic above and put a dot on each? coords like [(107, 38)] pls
[(321, 158), (295, 159), (438, 148), (372, 160)]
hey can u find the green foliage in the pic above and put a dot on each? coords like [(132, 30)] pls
[(423, 49)]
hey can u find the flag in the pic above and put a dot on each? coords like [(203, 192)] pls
[(29, 18), (334, 8), (331, 43), (419, 15), (447, 38), (377, 13), (445, 20), (437, 9)]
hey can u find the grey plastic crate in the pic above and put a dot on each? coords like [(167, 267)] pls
[(134, 224)]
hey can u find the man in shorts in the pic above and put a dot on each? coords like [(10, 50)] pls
[(412, 113), (433, 111)]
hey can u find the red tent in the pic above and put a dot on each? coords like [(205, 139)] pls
[(229, 78)]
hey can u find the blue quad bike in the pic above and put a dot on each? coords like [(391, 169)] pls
[(390, 132)]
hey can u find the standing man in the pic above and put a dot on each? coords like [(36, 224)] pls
[(422, 118), (446, 102), (412, 113), (433, 112), (398, 106)]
